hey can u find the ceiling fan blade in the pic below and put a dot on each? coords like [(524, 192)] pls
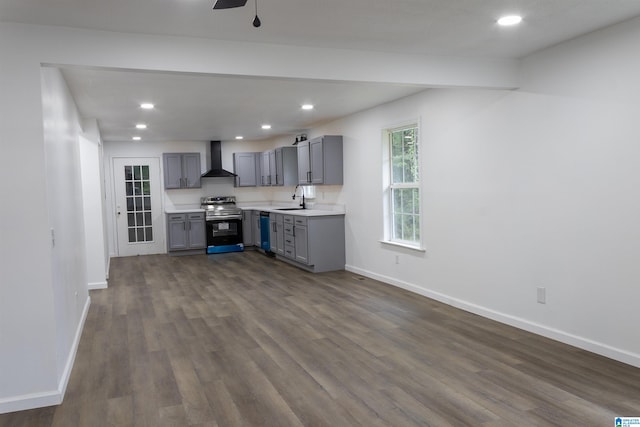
[(228, 4)]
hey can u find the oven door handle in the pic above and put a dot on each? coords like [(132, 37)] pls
[(224, 218)]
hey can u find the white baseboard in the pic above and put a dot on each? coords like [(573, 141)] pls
[(52, 397), (97, 285), (545, 331)]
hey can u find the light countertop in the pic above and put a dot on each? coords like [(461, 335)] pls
[(297, 212), (179, 209), (321, 210)]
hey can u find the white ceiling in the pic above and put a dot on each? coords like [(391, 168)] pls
[(463, 28)]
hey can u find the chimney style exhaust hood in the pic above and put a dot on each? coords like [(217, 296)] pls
[(216, 170)]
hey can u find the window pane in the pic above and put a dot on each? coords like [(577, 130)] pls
[(148, 234), (145, 172), (131, 222), (404, 156), (404, 185), (132, 235), (147, 218), (137, 174), (128, 175), (146, 190), (147, 203), (129, 204), (129, 189)]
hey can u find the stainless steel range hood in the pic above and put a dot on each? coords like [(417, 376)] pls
[(216, 170)]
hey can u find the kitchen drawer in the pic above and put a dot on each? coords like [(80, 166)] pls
[(288, 219), (288, 229), (289, 239), (289, 251), (196, 215), (301, 221), (177, 217)]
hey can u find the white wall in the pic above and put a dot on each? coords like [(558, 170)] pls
[(65, 210), (43, 313), (27, 343), (93, 200), (522, 189)]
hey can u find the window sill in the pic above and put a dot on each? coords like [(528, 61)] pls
[(403, 245)]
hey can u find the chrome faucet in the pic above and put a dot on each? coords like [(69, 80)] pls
[(302, 204)]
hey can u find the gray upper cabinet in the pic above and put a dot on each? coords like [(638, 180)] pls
[(286, 162), (247, 168), (320, 161), (181, 170), (265, 169), (279, 167)]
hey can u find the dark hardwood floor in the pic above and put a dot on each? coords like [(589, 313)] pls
[(243, 340)]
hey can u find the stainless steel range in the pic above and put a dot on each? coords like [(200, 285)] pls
[(224, 224)]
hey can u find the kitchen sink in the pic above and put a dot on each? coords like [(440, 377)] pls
[(289, 209)]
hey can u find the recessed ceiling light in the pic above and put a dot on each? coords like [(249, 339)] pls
[(307, 107), (509, 20), (141, 126), (147, 106), (239, 137), (136, 138), (265, 126)]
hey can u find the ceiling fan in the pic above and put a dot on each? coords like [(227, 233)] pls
[(228, 4)]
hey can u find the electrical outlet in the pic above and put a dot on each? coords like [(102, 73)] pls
[(53, 238), (542, 295)]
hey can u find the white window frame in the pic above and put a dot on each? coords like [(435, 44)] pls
[(388, 186)]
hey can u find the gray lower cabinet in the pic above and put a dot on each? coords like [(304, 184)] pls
[(181, 170), (186, 232), (289, 239), (247, 228), (276, 233), (314, 243), (301, 239), (255, 225)]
